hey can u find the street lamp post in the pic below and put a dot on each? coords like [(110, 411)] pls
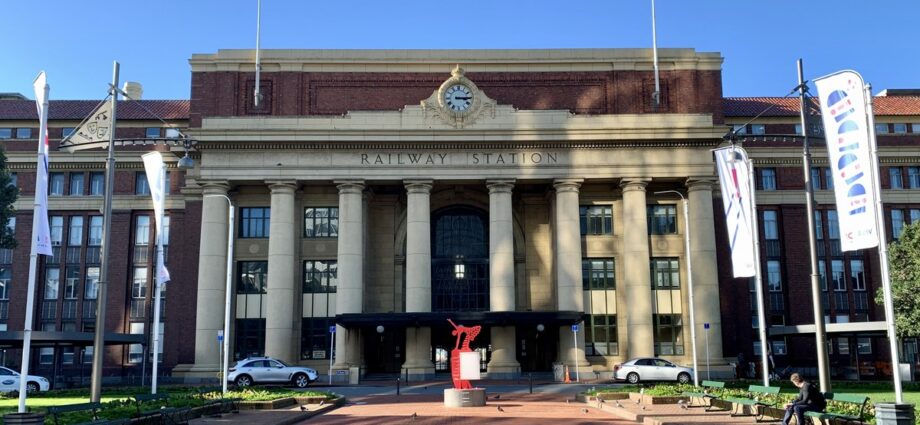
[(696, 380), (225, 364)]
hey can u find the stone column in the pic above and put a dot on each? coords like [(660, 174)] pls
[(503, 363), (350, 293), (418, 277), (705, 269), (212, 278), (569, 292), (282, 283), (635, 266)]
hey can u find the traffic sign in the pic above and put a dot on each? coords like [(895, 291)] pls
[(220, 335), (575, 328), (332, 329), (705, 325)]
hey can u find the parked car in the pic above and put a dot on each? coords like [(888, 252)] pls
[(651, 369), (9, 381), (266, 370)]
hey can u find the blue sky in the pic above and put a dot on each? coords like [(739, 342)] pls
[(76, 42)]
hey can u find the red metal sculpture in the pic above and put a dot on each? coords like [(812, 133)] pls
[(471, 334)]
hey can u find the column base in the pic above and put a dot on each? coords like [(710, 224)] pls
[(344, 375), (509, 370), (193, 373)]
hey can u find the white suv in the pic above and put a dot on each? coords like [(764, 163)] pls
[(265, 370)]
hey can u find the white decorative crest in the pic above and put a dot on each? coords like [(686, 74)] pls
[(436, 105)]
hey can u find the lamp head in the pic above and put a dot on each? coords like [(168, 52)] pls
[(186, 162), (380, 329)]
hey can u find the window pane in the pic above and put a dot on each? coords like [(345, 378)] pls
[(758, 129), (913, 177), (774, 276), (858, 275), (252, 278), (72, 283), (52, 282), (6, 133), (23, 133), (833, 229), (771, 231), (76, 184), (142, 230), (75, 235), (139, 283), (881, 128), (141, 187), (91, 286), (56, 184), (152, 132), (319, 276), (96, 184), (894, 176), (900, 128), (95, 230), (768, 179), (897, 223), (255, 222), (837, 275)]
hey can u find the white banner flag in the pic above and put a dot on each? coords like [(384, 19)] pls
[(156, 180), (846, 129), (736, 202), (41, 232)]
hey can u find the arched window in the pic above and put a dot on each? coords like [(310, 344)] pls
[(460, 260)]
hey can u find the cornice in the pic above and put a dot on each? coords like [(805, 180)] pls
[(255, 145)]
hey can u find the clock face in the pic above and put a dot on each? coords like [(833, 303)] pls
[(458, 98)]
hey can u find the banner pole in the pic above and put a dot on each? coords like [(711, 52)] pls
[(883, 253), (758, 278), (820, 335)]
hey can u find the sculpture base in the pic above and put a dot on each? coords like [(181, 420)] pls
[(474, 397)]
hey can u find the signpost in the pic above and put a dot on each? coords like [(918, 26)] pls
[(706, 327), (331, 350), (575, 349)]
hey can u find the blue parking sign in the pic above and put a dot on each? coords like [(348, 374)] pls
[(575, 328), (332, 329), (705, 325)]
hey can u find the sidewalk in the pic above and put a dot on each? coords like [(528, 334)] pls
[(286, 416)]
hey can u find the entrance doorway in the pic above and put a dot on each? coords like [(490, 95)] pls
[(384, 352), (536, 349), (460, 260)]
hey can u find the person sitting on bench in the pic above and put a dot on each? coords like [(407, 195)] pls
[(809, 399)]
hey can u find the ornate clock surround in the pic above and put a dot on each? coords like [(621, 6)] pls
[(438, 107)]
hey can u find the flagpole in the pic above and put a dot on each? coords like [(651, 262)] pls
[(758, 276), (37, 211), (883, 253), (657, 95), (101, 299), (257, 95), (820, 336), (159, 289)]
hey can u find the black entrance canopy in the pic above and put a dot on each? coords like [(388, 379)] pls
[(467, 318), (13, 339)]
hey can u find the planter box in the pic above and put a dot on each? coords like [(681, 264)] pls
[(648, 399), (268, 405)]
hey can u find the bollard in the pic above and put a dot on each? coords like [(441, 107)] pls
[(397, 385), (530, 378)]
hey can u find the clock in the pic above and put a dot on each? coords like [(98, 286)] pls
[(458, 98)]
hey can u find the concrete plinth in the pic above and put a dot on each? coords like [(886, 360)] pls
[(887, 413), (473, 397)]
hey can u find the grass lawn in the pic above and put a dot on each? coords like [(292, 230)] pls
[(13, 403)]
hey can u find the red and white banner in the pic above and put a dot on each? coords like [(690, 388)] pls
[(846, 129), (41, 231), (735, 181), (156, 180)]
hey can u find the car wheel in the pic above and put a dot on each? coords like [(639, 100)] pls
[(301, 380), (32, 387), (683, 378), (243, 381), (632, 378)]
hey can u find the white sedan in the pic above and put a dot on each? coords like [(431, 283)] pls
[(9, 381), (651, 369)]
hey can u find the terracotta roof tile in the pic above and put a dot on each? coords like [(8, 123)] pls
[(789, 106), (80, 109)]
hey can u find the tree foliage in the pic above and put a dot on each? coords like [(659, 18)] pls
[(904, 264), (8, 195)]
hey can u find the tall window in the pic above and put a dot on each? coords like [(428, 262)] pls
[(833, 228), (662, 219), (91, 286), (596, 220), (897, 223), (255, 222), (774, 276), (52, 282), (314, 337), (816, 178), (601, 335), (56, 223), (665, 273), (71, 283), (900, 128), (598, 274), (139, 283), (75, 235), (76, 184), (771, 233), (96, 184), (669, 339), (56, 184), (136, 351), (894, 176), (913, 177), (767, 179), (828, 178), (142, 230), (6, 275), (837, 275), (858, 275), (252, 277), (320, 276), (321, 222), (23, 133), (152, 132), (95, 230), (141, 186)]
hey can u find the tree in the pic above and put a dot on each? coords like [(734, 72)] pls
[(904, 262)]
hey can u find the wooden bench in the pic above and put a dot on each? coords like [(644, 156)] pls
[(218, 406), (168, 415), (831, 418), (705, 395), (753, 401), (93, 408)]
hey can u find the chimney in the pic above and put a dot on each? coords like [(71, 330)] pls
[(134, 89)]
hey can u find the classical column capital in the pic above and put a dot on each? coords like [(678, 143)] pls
[(349, 186), (500, 185), (418, 186), (567, 185), (634, 183), (700, 183), (214, 187), (282, 186)]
